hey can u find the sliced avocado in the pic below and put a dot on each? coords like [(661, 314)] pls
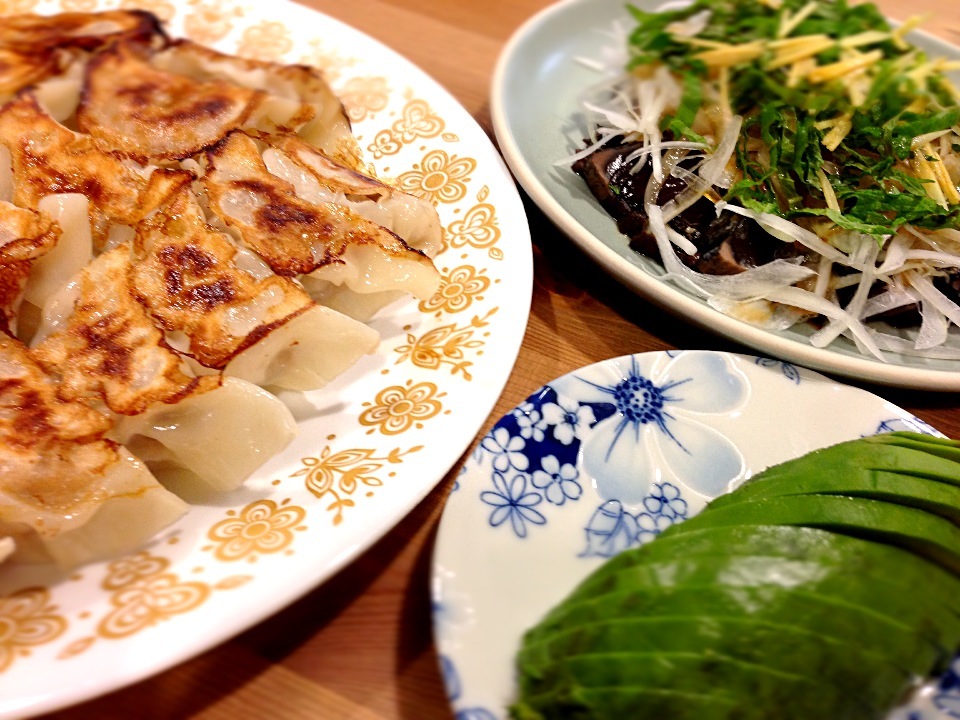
[(788, 541), (874, 586), (703, 671), (785, 540), (837, 570), (941, 447), (920, 532), (838, 620), (901, 453), (931, 590), (580, 704), (754, 687), (933, 496)]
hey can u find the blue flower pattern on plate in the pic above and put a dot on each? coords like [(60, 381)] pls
[(913, 423), (612, 433), (947, 695), (613, 528), (586, 429), (512, 501), (789, 370), (451, 682), (652, 421)]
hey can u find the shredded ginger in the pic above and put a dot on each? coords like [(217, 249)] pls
[(821, 123)]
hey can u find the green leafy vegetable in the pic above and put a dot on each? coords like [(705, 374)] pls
[(793, 113)]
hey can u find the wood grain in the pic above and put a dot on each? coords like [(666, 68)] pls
[(360, 646)]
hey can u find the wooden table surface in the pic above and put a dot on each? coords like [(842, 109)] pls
[(360, 645)]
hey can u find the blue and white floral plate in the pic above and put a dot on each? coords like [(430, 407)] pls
[(603, 459)]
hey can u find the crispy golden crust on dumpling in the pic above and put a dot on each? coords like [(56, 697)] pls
[(327, 127), (147, 113), (48, 157), (411, 217), (187, 275), (331, 174), (293, 236), (67, 492), (110, 350), (25, 235), (19, 68), (85, 30), (50, 450)]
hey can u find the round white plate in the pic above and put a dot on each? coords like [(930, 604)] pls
[(603, 459), (535, 109), (371, 445)]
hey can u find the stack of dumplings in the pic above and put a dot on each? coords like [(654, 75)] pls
[(181, 232)]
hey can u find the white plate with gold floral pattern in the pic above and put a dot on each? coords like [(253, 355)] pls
[(371, 445)]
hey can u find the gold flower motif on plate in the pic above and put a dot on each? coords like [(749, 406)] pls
[(459, 288), (261, 528), (267, 40), (364, 96), (27, 619), (339, 475), (446, 345), (399, 408), (439, 177)]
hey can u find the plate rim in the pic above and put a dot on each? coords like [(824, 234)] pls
[(666, 295)]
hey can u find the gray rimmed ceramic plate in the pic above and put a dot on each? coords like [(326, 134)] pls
[(534, 104)]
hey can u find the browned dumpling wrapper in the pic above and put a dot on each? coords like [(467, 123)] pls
[(25, 235), (18, 69), (86, 30), (47, 157), (296, 237), (66, 491), (317, 177), (150, 114), (329, 127), (36, 47), (110, 351), (187, 275)]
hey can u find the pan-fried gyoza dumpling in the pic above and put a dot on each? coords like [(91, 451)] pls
[(46, 156), (238, 317), (108, 349), (317, 179), (330, 242), (220, 436), (66, 492), (19, 69), (25, 236), (85, 30), (108, 352), (152, 114), (149, 114), (328, 129), (34, 48)]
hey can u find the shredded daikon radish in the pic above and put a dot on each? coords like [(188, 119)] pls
[(877, 272)]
